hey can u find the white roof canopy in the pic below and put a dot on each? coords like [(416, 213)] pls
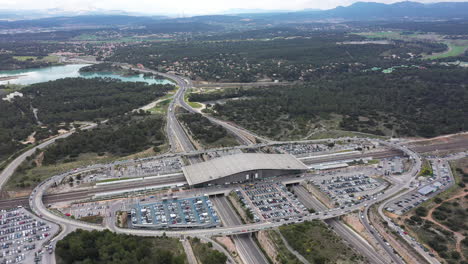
[(233, 164)]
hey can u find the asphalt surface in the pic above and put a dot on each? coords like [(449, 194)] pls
[(178, 136), (23, 201), (83, 194), (243, 136), (10, 169), (36, 204), (247, 248)]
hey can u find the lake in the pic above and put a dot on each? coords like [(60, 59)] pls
[(30, 76)]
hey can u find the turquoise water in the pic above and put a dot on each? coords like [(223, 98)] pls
[(31, 76)]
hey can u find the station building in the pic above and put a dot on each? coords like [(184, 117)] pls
[(244, 167)]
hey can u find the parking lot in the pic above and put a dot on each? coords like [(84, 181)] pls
[(270, 201), (23, 236), (300, 150), (217, 154), (391, 166), (426, 188), (172, 212), (140, 168), (350, 187), (308, 149), (80, 210)]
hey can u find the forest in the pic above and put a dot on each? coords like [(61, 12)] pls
[(206, 132), (101, 67), (78, 99), (293, 59), (119, 136), (16, 124), (10, 63), (408, 102), (63, 101), (106, 247)]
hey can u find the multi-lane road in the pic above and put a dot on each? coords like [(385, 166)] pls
[(79, 195), (340, 228), (37, 206), (248, 250), (180, 142)]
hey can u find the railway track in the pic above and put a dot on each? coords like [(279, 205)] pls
[(76, 195)]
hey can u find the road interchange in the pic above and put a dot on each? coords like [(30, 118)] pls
[(180, 142)]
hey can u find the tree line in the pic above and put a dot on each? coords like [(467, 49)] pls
[(105, 247)]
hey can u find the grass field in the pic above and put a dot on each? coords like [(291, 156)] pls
[(455, 47), (98, 39), (382, 34), (341, 133), (94, 219), (426, 169), (161, 107), (453, 51), (284, 255), (51, 58), (29, 177), (195, 104), (192, 104)]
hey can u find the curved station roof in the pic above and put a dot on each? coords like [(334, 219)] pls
[(233, 164)]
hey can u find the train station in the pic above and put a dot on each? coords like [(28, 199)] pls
[(244, 167)]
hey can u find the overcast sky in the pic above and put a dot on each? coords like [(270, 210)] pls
[(180, 7)]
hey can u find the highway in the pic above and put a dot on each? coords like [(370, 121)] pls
[(36, 204), (180, 142), (339, 227), (79, 195), (246, 247), (11, 168), (244, 137)]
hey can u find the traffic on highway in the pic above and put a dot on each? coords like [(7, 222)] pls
[(151, 196)]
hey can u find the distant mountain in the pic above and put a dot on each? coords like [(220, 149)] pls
[(400, 10), (76, 21), (359, 11), (236, 11), (377, 11), (7, 14)]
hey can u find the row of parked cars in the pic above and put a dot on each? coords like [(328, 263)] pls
[(273, 200), (20, 234), (176, 212)]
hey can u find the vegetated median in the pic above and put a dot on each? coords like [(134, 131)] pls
[(208, 134), (318, 243), (205, 253)]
